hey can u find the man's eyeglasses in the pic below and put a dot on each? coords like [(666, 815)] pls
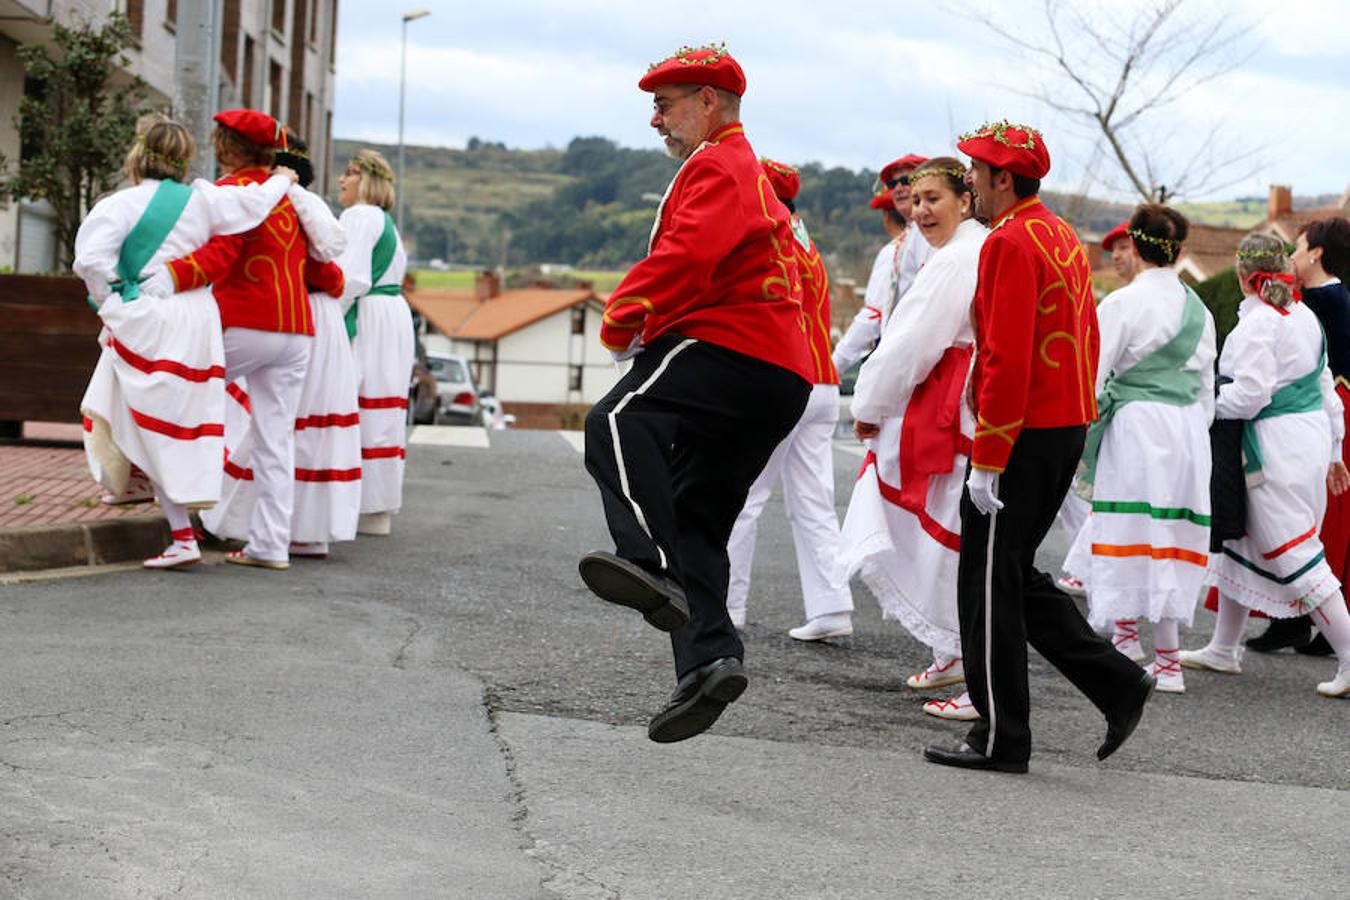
[(662, 105), (892, 182)]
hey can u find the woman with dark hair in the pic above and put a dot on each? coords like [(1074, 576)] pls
[(1274, 376), (1321, 265), (1143, 550), (155, 405), (902, 528)]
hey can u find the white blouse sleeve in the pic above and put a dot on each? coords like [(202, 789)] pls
[(919, 331), (327, 240), (1111, 325), (862, 333), (363, 226), (1331, 404), (912, 258), (98, 244), (240, 207), (1207, 344), (1255, 369)]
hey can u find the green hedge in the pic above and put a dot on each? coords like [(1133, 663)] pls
[(1222, 295)]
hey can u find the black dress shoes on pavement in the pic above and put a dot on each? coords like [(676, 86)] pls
[(699, 699), (1318, 646), (1122, 724), (1281, 633), (965, 757), (659, 599)]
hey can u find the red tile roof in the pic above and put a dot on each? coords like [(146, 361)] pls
[(459, 314)]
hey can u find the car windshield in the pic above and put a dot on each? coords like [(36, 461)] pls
[(447, 369)]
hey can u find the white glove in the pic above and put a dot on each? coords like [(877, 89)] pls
[(983, 487), (634, 348), (159, 284)]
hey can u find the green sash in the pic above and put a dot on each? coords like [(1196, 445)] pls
[(380, 259), (1157, 378), (1301, 396), (147, 236)]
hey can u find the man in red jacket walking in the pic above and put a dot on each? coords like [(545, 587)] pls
[(1033, 389), (713, 321)]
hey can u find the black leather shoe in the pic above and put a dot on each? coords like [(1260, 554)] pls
[(1318, 646), (964, 757), (1282, 633), (658, 598), (1121, 725), (698, 700)]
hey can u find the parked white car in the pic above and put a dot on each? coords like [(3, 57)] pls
[(458, 394)]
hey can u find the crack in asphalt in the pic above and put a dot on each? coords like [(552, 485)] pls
[(401, 656), (567, 880)]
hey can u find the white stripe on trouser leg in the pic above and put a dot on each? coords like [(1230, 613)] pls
[(618, 448), (989, 630)]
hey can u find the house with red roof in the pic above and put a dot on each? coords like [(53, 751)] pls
[(536, 348)]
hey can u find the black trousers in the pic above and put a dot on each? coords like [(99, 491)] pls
[(1005, 603), (674, 448)]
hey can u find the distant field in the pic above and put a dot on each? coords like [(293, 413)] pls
[(462, 279), (1231, 213)]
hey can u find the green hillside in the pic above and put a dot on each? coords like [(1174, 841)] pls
[(591, 204)]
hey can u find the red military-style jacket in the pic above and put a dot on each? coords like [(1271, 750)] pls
[(258, 277), (1035, 331), (722, 266), (815, 304)]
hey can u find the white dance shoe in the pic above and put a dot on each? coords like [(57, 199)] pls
[(178, 555), (1213, 660), (375, 523), (1338, 686), (938, 675), (959, 708), (820, 628), (737, 618), (1168, 675)]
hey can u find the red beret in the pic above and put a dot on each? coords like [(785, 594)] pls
[(782, 178), (882, 200), (1114, 235), (909, 161), (1018, 148), (258, 127), (697, 65)]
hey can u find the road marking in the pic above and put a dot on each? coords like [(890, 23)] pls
[(450, 436), (575, 439)]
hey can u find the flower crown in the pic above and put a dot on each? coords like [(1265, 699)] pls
[(1259, 254), (371, 167), (162, 159), (1168, 244), (715, 52), (999, 132), (957, 172)]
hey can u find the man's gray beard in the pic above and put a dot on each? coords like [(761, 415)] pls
[(675, 149)]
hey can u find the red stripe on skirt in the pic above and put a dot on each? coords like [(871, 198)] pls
[(382, 402), (179, 432), (328, 420), (383, 453), (322, 475), (171, 366), (235, 391)]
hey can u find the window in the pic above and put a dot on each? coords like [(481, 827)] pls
[(279, 16), (246, 94), (171, 12), (574, 383), (314, 21), (274, 85), (229, 39), (579, 319), (135, 10)]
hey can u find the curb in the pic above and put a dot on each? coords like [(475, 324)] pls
[(72, 544)]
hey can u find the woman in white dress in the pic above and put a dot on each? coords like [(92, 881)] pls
[(156, 400), (382, 333), (1273, 375), (1143, 550), (902, 528), (327, 424)]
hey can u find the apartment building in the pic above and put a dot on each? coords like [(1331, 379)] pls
[(274, 55)]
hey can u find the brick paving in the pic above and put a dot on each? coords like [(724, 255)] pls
[(49, 483)]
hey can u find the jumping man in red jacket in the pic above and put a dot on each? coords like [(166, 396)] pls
[(712, 319)]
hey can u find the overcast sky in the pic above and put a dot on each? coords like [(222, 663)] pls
[(843, 82)]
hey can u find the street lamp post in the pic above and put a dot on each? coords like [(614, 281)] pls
[(402, 84)]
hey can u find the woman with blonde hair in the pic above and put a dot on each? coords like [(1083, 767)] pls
[(381, 328), (902, 529), (1273, 375), (156, 401)]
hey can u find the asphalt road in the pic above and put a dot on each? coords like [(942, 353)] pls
[(449, 713)]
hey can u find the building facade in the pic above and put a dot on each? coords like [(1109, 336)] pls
[(273, 55)]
